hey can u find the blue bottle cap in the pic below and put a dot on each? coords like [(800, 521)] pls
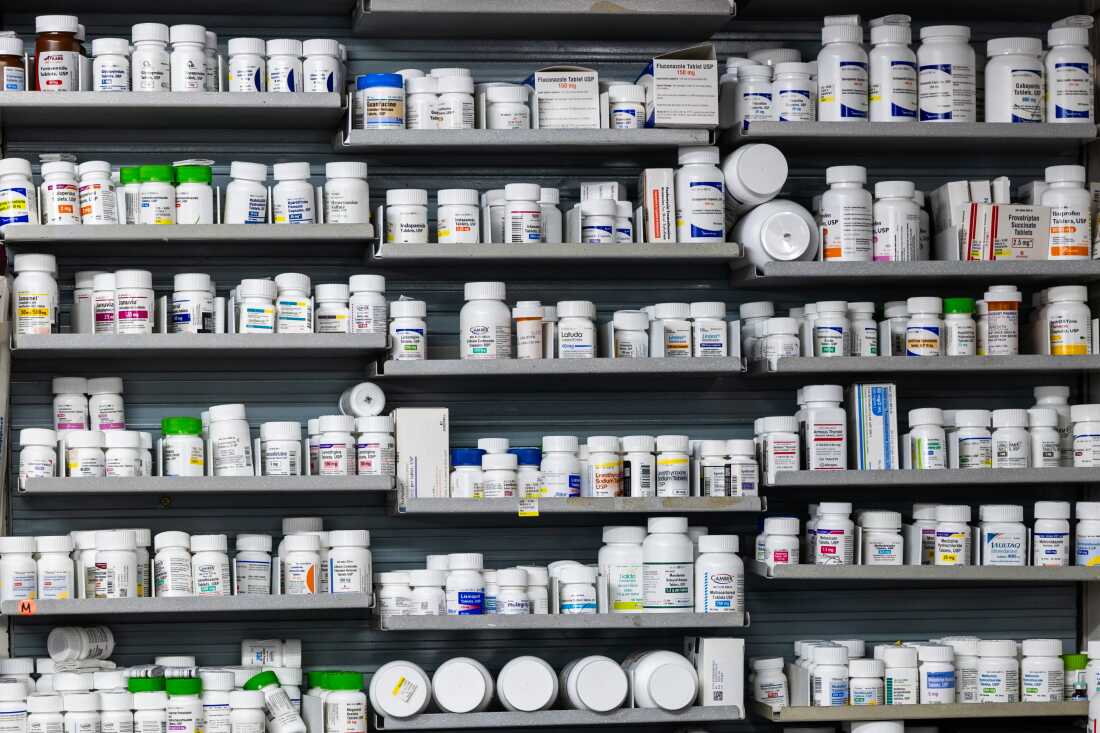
[(379, 80), (466, 457), (527, 456)]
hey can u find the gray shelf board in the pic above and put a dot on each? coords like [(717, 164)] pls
[(940, 10), (656, 367), (552, 622), (561, 19), (200, 346), (192, 604), (966, 574), (903, 364), (518, 142), (144, 110), (947, 477), (915, 136), (618, 505), (821, 274), (162, 485), (196, 7), (920, 712), (560, 718), (389, 253)]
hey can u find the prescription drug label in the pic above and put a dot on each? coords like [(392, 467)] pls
[(1069, 336), (668, 585), (1070, 233), (1071, 88), (625, 588), (951, 547), (672, 476), (15, 205)]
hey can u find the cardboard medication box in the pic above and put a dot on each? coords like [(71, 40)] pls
[(873, 429), (657, 189), (422, 437), (720, 663), (565, 97), (1005, 232), (681, 88)]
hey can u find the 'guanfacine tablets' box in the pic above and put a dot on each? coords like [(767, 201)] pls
[(873, 432), (657, 189), (681, 88), (565, 97), (422, 438)]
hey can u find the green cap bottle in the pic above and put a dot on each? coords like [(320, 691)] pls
[(194, 174), (958, 305), (145, 684), (183, 686), (156, 174), (181, 426)]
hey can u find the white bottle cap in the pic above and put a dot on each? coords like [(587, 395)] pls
[(845, 174), (925, 416), (421, 85), (621, 93), (499, 462), (321, 47), (212, 543), (1063, 293), (779, 424), (243, 47), (760, 168), (408, 309), (673, 443), (171, 538), (295, 543), (603, 444), (233, 411), (638, 444), (187, 33), (43, 703), (1010, 418), (1087, 510), (1024, 46), (290, 171), (895, 189), (1001, 513), (781, 526), (457, 197), (672, 311), (133, 279), (708, 309), (971, 418), (576, 309), (577, 574), (101, 47), (296, 525), (253, 542), (31, 262), (199, 281), (924, 305), (484, 291), (726, 543), (410, 680), (70, 385), (1042, 647), (367, 284), (262, 289), (149, 32), (284, 47), (13, 545), (843, 33), (47, 543), (94, 167), (834, 507), (559, 443), (997, 648), (455, 85), (349, 538), (945, 31), (56, 24), (406, 197), (630, 320), (880, 520), (522, 192), (899, 657), (345, 168), (549, 196), (1065, 173), (336, 292), (1052, 510), (84, 439), (1084, 413), (952, 513), (823, 393), (374, 424), (281, 431), (599, 207), (465, 561), (696, 154), (935, 653), (335, 424), (667, 525), (247, 171), (121, 439), (292, 281)]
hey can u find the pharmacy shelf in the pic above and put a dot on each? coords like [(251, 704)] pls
[(972, 137), (178, 346), (446, 254), (591, 368), (946, 10), (161, 485), (928, 365), (619, 505), (920, 712), (357, 603), (200, 7), (523, 19), (940, 479), (965, 574), (912, 274), (518, 142), (145, 110), (199, 240), (560, 719), (564, 622)]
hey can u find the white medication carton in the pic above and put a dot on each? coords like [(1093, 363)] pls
[(681, 88), (720, 663), (657, 188), (1005, 232), (565, 98), (423, 437), (873, 427)]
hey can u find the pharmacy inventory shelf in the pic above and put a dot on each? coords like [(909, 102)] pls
[(179, 346), (248, 605), (193, 110), (972, 137), (518, 142), (887, 365), (590, 368), (915, 274), (197, 240), (564, 622), (942, 478), (166, 485), (560, 719), (442, 254), (560, 19), (842, 713), (966, 573), (618, 505)]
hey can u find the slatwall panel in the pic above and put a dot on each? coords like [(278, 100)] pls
[(520, 410)]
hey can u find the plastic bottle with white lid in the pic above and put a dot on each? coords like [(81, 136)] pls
[(927, 441), (408, 330), (661, 679), (150, 63), (172, 571), (346, 192), (576, 330), (998, 671), (882, 540), (284, 65), (896, 222), (902, 677), (605, 466), (668, 557), (1014, 89), (937, 674), (753, 175), (953, 534), (830, 676), (282, 716), (1011, 444), (1087, 533), (719, 576), (834, 534), (842, 71), (893, 70), (620, 561), (322, 68), (864, 329), (1086, 435), (593, 683), (84, 454), (825, 427), (832, 329), (700, 208), (779, 445), (507, 107), (188, 58), (1050, 537), (793, 93), (672, 465), (1069, 321), (947, 79), (924, 331), (35, 295), (485, 322), (247, 65), (577, 590), (754, 99), (210, 571), (465, 585), (753, 316), (407, 216), (846, 215), (970, 445), (98, 203), (231, 441), (60, 195), (252, 565), (293, 197), (1070, 71), (55, 571), (549, 199), (781, 545), (710, 334), (246, 194), (1003, 535), (455, 108), (1070, 221), (18, 571), (560, 469), (408, 679)]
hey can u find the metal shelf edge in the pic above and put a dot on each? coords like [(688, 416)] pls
[(185, 604), (206, 485), (918, 712), (552, 718), (968, 574), (625, 505), (551, 622), (945, 477)]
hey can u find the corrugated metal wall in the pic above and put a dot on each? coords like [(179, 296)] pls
[(521, 411)]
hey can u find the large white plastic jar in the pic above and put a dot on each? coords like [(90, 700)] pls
[(620, 561), (1070, 221), (246, 194), (947, 74), (346, 192), (753, 174), (150, 64), (668, 557), (842, 71), (700, 215), (247, 65), (1070, 71), (896, 228), (188, 59), (485, 322), (893, 71), (292, 199), (1014, 90), (754, 97), (662, 679), (231, 441)]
